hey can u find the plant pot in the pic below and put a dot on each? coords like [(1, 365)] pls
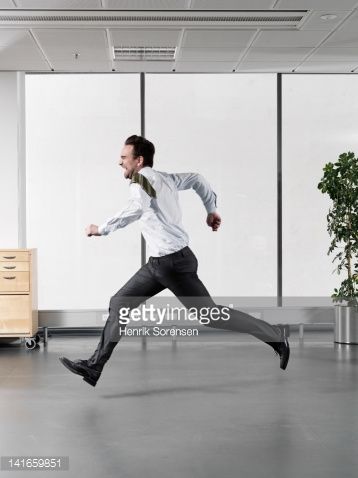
[(346, 325)]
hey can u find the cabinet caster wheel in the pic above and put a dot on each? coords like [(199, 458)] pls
[(37, 338), (30, 344)]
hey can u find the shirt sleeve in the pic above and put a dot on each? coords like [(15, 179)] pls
[(136, 205), (200, 185)]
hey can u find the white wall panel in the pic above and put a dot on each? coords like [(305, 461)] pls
[(319, 123), (223, 126), (76, 126)]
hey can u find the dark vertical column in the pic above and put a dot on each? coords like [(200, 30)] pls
[(142, 132), (279, 190)]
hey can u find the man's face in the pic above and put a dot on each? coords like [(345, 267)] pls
[(129, 163)]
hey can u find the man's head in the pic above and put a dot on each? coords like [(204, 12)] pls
[(137, 153)]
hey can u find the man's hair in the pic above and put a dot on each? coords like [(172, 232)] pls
[(142, 147)]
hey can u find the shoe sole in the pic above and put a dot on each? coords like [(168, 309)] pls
[(90, 381), (87, 379)]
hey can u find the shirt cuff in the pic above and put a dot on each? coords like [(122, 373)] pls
[(211, 205), (102, 230), (210, 208)]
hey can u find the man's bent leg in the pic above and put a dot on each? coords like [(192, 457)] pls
[(193, 294), (139, 288), (179, 274), (187, 286)]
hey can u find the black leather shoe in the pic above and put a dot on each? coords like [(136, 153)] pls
[(282, 348), (283, 351), (80, 367)]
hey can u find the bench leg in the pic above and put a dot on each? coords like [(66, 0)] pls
[(45, 331), (301, 331)]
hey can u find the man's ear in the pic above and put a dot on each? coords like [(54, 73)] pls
[(141, 161)]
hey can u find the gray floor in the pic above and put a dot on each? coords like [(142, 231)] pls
[(217, 405)]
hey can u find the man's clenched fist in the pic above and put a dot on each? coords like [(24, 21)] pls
[(213, 220), (92, 230)]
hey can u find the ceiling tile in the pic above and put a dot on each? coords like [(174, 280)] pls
[(10, 37), (6, 4), (266, 66), (217, 38), (13, 64), (141, 37), (315, 23), (327, 67), (62, 44), (21, 52), (346, 35), (277, 54), (82, 66), (145, 4), (332, 54), (60, 4), (210, 54), (144, 66), (342, 40), (232, 4), (289, 38), (352, 22), (316, 5), (204, 66)]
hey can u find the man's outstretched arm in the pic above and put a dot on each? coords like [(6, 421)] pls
[(202, 187), (138, 201)]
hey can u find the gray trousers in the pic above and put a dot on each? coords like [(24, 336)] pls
[(178, 273)]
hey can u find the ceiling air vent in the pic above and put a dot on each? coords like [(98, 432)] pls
[(147, 53), (265, 19)]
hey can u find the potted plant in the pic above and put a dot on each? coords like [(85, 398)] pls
[(340, 182)]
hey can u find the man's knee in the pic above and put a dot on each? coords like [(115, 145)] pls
[(118, 302)]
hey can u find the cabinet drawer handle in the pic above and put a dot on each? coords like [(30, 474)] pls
[(12, 277), (9, 267), (9, 257)]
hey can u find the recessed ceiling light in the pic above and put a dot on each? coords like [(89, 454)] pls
[(328, 16), (263, 19), (144, 53)]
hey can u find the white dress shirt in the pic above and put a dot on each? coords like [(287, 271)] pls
[(160, 218)]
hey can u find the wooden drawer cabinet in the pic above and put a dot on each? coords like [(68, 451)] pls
[(14, 266), (14, 282), (15, 255), (18, 293)]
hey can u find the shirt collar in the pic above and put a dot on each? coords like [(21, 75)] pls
[(145, 170)]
